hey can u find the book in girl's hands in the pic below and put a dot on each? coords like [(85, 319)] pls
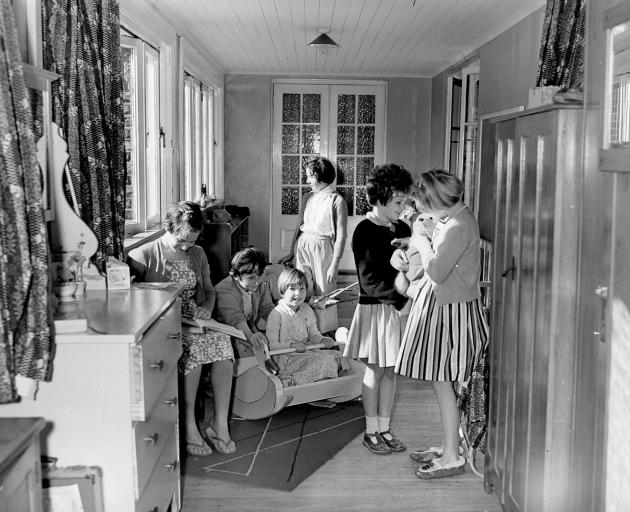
[(215, 326)]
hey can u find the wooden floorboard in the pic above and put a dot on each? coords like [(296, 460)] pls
[(355, 479)]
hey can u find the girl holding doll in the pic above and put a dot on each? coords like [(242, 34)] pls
[(447, 332), (375, 332)]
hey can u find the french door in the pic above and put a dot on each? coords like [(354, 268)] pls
[(344, 122)]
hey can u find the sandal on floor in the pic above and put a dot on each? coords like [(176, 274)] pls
[(433, 452), (395, 444), (376, 444), (225, 447), (436, 470), (199, 450)]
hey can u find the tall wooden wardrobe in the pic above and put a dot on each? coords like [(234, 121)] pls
[(530, 161)]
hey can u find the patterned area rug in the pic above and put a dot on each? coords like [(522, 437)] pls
[(282, 451)]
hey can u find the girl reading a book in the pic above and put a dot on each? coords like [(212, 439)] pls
[(174, 257), (292, 324)]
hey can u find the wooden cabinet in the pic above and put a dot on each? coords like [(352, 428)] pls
[(113, 400), (20, 473), (535, 156), (221, 241)]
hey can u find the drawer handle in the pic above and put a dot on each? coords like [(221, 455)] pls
[(174, 336), (152, 439), (170, 402), (172, 466), (154, 509), (158, 365)]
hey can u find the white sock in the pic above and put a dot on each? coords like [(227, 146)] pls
[(371, 424), (383, 424)]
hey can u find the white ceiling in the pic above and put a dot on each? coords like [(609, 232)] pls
[(376, 37)]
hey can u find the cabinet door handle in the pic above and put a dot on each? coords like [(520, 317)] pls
[(171, 466), (512, 269), (152, 439), (157, 365), (602, 293), (174, 336), (154, 509), (170, 402)]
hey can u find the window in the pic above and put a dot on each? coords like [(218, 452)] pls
[(141, 95), (198, 139), (462, 132)]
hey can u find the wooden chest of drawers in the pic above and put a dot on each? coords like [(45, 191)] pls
[(113, 400)]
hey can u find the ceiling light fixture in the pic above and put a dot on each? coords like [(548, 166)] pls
[(323, 41)]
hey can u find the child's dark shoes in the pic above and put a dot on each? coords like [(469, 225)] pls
[(376, 444), (394, 444)]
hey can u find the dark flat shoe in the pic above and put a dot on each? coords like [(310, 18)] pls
[(376, 444), (395, 444)]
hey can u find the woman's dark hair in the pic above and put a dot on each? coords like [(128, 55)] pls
[(438, 189), (183, 213), (386, 180), (322, 169), (248, 261)]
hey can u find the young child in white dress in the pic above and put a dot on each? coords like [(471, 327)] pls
[(292, 324)]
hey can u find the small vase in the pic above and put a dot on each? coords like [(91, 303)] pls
[(65, 291)]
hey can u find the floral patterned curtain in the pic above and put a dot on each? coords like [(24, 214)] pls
[(26, 325), (82, 44), (561, 56)]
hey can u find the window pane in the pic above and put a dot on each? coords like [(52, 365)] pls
[(362, 206), (364, 166), (310, 139), (130, 108), (345, 170), (312, 108), (345, 140), (152, 126), (345, 108), (365, 137), (347, 194), (290, 138), (290, 108), (367, 109), (188, 145), (290, 170), (290, 201)]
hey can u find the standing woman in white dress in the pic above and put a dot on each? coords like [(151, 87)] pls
[(447, 332), (320, 237)]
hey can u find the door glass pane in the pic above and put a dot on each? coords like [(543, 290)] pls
[(290, 108), (310, 139), (345, 140), (345, 108), (290, 138), (290, 170), (290, 200), (367, 108), (356, 146), (365, 140), (130, 109), (311, 113), (301, 140), (345, 170)]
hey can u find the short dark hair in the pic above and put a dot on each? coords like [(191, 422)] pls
[(385, 180), (181, 214), (322, 169), (290, 276), (248, 261)]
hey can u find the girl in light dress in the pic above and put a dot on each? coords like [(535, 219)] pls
[(292, 324), (320, 237), (446, 334)]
